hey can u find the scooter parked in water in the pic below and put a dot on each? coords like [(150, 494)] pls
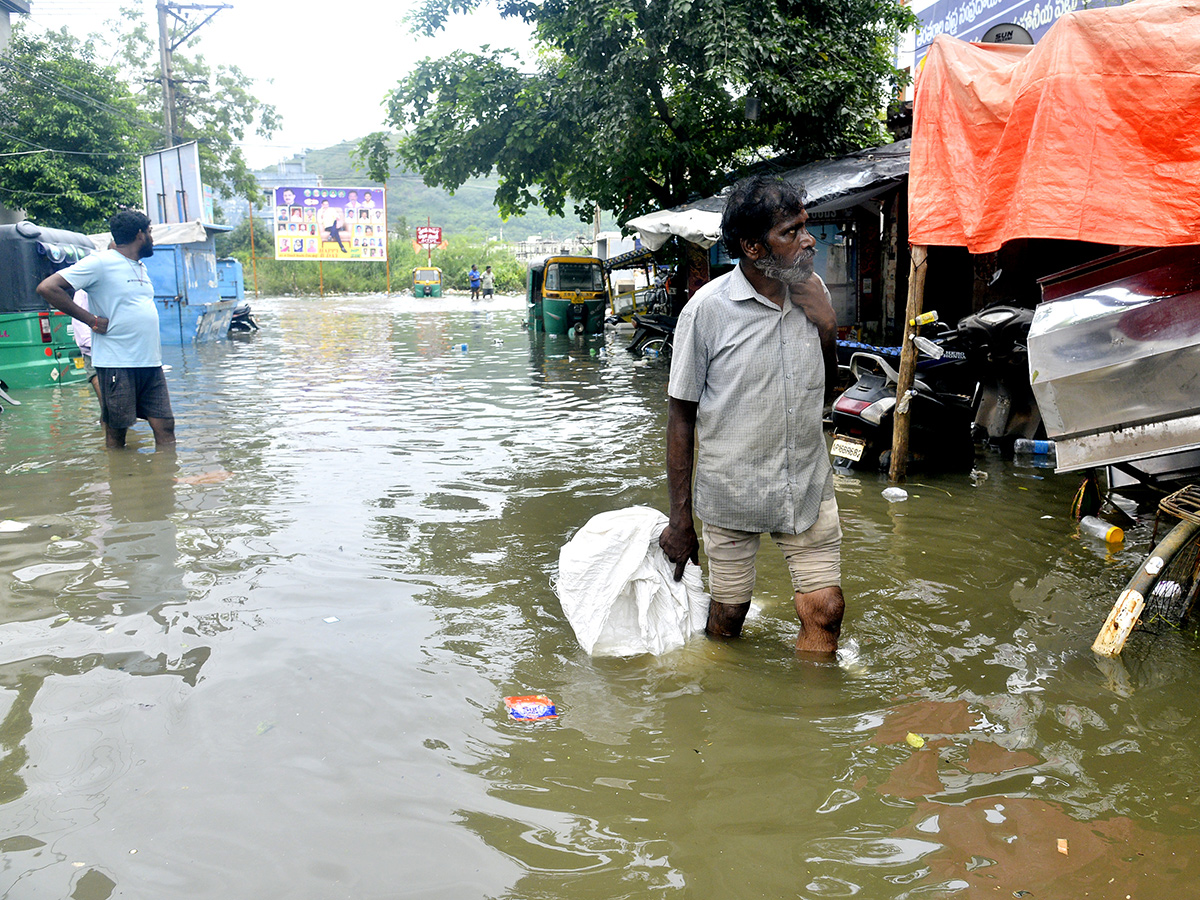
[(995, 344), (939, 405), (243, 321), (653, 335)]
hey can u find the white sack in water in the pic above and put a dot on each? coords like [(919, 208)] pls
[(618, 588)]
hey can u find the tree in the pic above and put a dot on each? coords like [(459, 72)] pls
[(642, 104), (71, 133), (214, 105)]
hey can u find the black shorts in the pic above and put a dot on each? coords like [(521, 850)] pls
[(127, 395), (488, 292)]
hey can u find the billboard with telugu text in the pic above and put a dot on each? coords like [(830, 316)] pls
[(968, 20), (331, 223)]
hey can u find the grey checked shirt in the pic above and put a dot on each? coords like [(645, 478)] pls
[(758, 375)]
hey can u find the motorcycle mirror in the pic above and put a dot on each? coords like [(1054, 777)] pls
[(928, 347)]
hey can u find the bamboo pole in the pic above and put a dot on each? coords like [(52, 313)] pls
[(908, 365)]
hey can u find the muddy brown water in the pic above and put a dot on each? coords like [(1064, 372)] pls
[(273, 663)]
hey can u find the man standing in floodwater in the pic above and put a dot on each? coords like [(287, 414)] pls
[(754, 351), (126, 350), (473, 275)]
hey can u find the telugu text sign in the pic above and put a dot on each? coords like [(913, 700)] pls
[(331, 223), (429, 235), (968, 20)]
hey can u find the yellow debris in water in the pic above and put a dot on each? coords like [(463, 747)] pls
[(915, 740)]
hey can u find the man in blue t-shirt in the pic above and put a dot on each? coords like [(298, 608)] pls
[(475, 282), (126, 352)]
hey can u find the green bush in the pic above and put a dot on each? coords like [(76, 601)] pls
[(305, 277)]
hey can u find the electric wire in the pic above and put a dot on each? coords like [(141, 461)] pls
[(70, 93), (40, 149)]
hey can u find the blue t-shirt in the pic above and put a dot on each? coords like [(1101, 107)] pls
[(474, 278), (119, 289)]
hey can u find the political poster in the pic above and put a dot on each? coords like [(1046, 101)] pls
[(331, 223)]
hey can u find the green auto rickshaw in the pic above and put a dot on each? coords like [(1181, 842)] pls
[(567, 295), (427, 281)]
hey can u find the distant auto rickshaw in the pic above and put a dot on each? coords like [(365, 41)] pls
[(427, 281), (567, 294)]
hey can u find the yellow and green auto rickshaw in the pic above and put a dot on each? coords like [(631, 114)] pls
[(427, 281), (567, 295), (37, 346)]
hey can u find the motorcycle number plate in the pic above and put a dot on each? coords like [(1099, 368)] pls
[(848, 448)]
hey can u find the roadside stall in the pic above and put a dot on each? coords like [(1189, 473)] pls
[(845, 200), (1087, 136)]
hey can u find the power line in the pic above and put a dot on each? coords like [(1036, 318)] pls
[(62, 90), (40, 149), (25, 193)]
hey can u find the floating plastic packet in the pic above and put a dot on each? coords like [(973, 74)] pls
[(531, 708)]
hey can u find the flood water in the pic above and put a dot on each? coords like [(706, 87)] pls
[(273, 663)]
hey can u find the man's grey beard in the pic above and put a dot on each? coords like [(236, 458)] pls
[(797, 273)]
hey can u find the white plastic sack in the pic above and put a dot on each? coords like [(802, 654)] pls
[(618, 588)]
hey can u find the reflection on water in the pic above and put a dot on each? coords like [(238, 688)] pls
[(330, 587)]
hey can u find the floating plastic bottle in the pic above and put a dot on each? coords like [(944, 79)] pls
[(1033, 448), (925, 318), (1098, 528), (461, 348)]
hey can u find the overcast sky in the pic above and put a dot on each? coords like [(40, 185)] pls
[(325, 66)]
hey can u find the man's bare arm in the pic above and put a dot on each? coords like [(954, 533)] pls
[(678, 539), (57, 291)]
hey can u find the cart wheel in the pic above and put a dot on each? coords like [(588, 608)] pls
[(1164, 588), (657, 347)]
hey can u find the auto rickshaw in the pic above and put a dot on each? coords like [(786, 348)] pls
[(427, 281), (567, 294)]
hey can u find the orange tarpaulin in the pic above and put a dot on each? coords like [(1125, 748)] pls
[(1093, 134)]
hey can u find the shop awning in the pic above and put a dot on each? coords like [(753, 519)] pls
[(829, 185), (176, 233)]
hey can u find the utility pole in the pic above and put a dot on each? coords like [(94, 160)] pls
[(168, 43)]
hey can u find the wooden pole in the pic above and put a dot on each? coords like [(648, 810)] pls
[(908, 365), (253, 255)]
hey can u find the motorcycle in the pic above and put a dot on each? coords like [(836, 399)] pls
[(940, 406), (995, 344), (243, 320), (653, 335)]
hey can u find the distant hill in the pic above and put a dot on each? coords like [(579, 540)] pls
[(469, 210)]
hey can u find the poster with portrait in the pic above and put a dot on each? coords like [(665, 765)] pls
[(331, 223)]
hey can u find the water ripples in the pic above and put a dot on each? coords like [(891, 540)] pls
[(301, 629)]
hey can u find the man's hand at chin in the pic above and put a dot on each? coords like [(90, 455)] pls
[(810, 296)]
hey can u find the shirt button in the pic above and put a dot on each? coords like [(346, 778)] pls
[(789, 410), (789, 374)]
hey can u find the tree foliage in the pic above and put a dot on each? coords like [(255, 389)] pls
[(74, 126), (71, 133), (641, 104), (214, 105)]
